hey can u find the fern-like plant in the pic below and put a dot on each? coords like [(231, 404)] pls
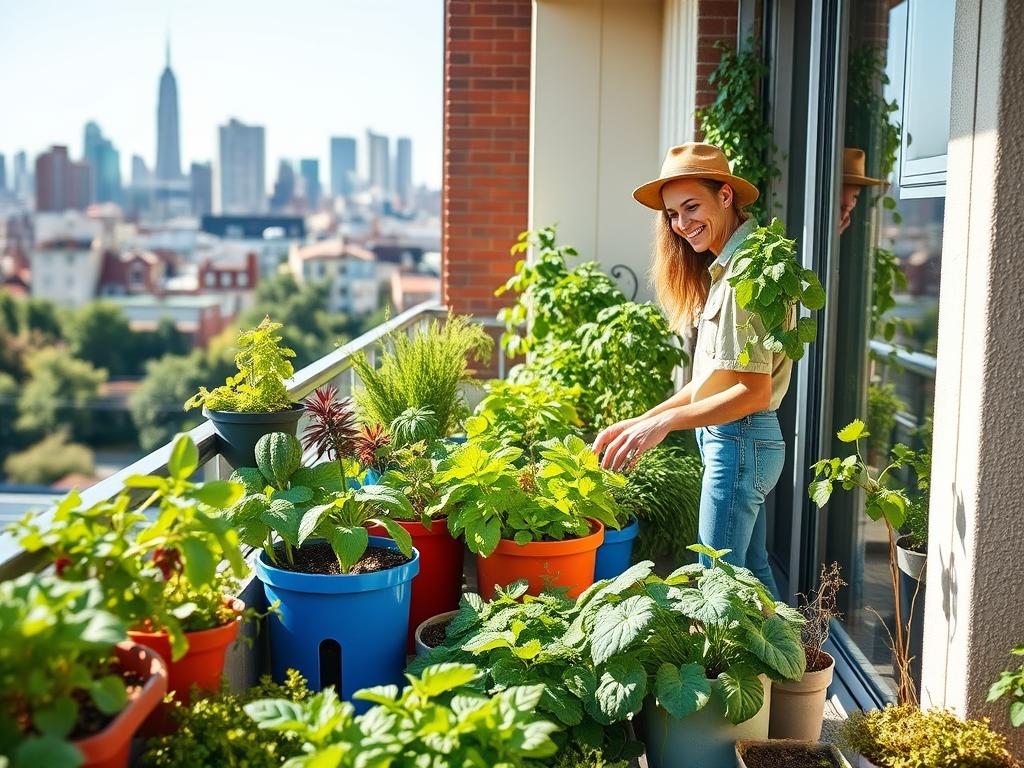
[(258, 387), (425, 370)]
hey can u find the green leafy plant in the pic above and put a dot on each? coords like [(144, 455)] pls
[(883, 405), (413, 470), (1011, 683), (490, 497), (881, 503), (769, 283), (56, 658), (258, 387), (915, 523), (214, 731), (737, 121), (156, 574), (424, 371), (291, 503), (889, 278), (525, 414), (436, 720), (907, 737), (412, 426)]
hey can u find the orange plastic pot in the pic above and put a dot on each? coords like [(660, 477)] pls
[(543, 564), (438, 586), (111, 747), (201, 666)]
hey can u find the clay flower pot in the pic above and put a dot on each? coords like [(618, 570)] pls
[(422, 649), (799, 705)]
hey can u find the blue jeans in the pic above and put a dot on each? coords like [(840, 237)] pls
[(742, 463)]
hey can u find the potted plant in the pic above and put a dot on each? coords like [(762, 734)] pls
[(798, 706), (73, 689), (158, 574), (542, 522), (255, 401), (904, 735), (693, 653), (424, 370), (436, 720), (432, 632), (335, 585), (790, 753)]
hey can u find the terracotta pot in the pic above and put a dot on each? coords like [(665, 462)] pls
[(824, 749), (438, 585), (799, 705), (543, 564), (422, 649), (203, 662), (110, 747)]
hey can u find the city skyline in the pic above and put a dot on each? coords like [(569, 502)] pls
[(393, 96)]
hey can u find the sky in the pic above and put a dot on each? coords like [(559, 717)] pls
[(305, 69)]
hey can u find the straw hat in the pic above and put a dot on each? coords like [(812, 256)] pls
[(853, 169), (694, 161)]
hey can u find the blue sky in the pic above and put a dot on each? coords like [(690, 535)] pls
[(304, 69)]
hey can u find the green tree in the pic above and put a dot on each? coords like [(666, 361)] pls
[(98, 332), (49, 460), (41, 320), (59, 393)]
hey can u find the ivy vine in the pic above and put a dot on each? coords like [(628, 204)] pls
[(736, 120)]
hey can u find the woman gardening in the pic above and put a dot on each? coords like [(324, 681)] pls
[(742, 355)]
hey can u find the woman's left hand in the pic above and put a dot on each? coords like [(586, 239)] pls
[(625, 449)]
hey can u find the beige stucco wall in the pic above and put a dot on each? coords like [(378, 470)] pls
[(975, 603), (596, 126)]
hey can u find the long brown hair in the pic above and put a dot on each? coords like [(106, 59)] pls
[(679, 273)]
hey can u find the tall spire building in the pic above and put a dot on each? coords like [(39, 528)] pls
[(168, 146)]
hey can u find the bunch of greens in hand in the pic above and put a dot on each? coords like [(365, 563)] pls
[(489, 497), (439, 719), (56, 656), (289, 502), (516, 639), (156, 574), (769, 283), (258, 387)]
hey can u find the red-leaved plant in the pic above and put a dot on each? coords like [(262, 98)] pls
[(371, 445), (332, 429)]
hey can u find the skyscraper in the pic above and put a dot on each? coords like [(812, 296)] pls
[(201, 177), (23, 183), (380, 165), (241, 171), (3, 174), (343, 166), (403, 172), (168, 147), (309, 169), (284, 187), (140, 172), (105, 161), (60, 183)]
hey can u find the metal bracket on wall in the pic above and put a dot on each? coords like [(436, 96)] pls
[(617, 272)]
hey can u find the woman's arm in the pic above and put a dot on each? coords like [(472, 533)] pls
[(609, 433), (749, 394)]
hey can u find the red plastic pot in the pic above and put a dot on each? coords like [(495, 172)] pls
[(438, 586), (203, 662), (111, 747)]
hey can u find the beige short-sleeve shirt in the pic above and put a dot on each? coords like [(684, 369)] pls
[(721, 331)]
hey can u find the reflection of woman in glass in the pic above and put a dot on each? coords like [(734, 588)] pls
[(854, 181), (701, 223)]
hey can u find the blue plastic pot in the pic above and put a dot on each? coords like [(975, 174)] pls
[(615, 555), (347, 631), (372, 477)]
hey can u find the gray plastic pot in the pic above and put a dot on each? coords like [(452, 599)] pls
[(824, 749), (422, 649), (238, 433), (705, 739), (798, 706)]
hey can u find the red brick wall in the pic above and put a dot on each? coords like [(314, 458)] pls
[(716, 20), (485, 192)]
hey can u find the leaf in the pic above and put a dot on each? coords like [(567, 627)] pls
[(682, 690), (218, 494), (200, 565), (277, 714), (400, 536), (58, 718), (310, 521), (326, 475), (441, 678), (298, 494), (820, 492), (283, 517), (617, 626), (184, 458), (743, 693), (109, 694), (1017, 713), (349, 544), (251, 479), (807, 330), (47, 752), (853, 431), (620, 689), (814, 296), (562, 704), (744, 293), (777, 643)]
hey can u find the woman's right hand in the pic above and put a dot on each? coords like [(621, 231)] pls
[(610, 433)]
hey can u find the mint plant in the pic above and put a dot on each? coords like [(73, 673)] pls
[(769, 283), (56, 654), (436, 720), (258, 387), (489, 496), (156, 574)]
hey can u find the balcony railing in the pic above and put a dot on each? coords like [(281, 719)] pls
[(333, 368)]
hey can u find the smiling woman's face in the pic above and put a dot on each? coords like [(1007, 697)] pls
[(698, 214)]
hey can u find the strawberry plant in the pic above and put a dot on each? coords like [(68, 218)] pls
[(769, 283), (488, 496), (437, 720), (156, 561), (258, 387), (55, 658)]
